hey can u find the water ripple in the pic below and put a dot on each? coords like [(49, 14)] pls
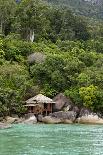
[(52, 140)]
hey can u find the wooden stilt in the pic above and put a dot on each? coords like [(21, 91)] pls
[(46, 112), (51, 108)]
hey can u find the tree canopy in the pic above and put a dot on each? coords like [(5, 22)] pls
[(71, 45)]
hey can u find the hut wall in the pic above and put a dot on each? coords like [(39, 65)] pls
[(49, 108)]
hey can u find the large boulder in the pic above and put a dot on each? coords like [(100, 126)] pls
[(20, 120), (65, 117), (11, 120), (90, 119), (51, 120), (28, 115), (4, 126), (14, 116), (84, 112), (1, 119), (76, 109), (37, 57), (86, 116), (60, 117), (39, 118), (62, 103), (31, 120)]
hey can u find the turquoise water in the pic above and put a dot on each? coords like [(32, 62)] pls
[(44, 139)]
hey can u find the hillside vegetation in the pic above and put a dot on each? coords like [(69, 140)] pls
[(67, 55), (88, 8)]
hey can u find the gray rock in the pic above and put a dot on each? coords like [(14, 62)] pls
[(51, 120), (70, 115), (86, 116), (27, 116), (62, 102), (76, 110), (20, 120), (31, 120), (84, 112), (90, 119), (37, 57), (10, 120), (4, 126), (40, 117), (1, 119), (14, 116)]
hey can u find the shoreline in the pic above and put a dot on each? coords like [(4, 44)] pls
[(4, 124)]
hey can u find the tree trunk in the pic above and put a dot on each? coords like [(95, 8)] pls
[(31, 35), (1, 27)]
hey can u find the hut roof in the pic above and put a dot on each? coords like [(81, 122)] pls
[(31, 105), (39, 99)]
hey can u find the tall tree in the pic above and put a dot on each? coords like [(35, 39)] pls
[(7, 9), (32, 19)]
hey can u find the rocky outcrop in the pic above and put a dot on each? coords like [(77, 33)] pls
[(37, 57), (90, 119), (62, 103), (20, 120), (27, 116), (84, 112), (60, 117), (31, 120), (27, 119), (39, 118), (4, 126), (76, 109), (68, 116), (1, 119), (76, 115), (86, 116), (11, 120), (51, 120)]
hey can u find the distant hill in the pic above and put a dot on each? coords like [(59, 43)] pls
[(89, 8)]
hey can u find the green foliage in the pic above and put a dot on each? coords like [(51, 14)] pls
[(7, 10), (95, 45), (2, 53), (90, 8), (51, 71), (73, 93), (88, 95), (73, 50), (67, 46), (92, 75), (48, 91), (13, 83), (31, 18), (74, 70), (17, 50)]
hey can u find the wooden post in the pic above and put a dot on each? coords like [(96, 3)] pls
[(33, 109), (51, 107), (46, 112), (29, 109)]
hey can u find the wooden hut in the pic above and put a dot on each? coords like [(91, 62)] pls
[(39, 104)]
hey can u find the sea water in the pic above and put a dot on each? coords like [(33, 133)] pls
[(42, 139)]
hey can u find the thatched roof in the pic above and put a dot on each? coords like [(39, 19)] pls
[(39, 99), (31, 105)]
